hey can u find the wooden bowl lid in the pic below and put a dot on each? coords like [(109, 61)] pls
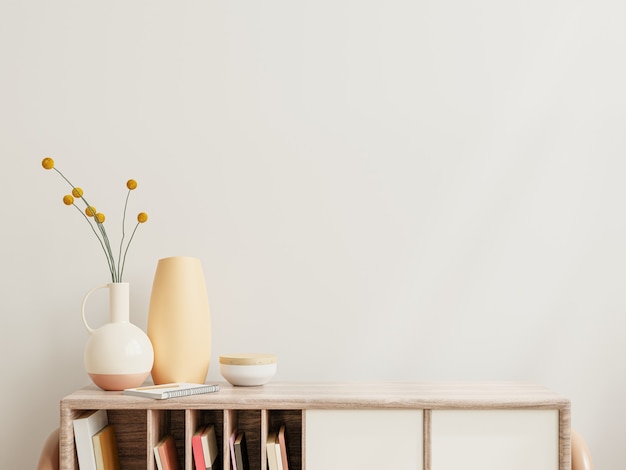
[(248, 359)]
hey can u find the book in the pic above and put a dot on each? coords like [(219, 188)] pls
[(282, 446), (105, 449), (231, 442), (241, 452), (279, 460), (204, 448), (197, 451), (157, 459), (209, 447), (173, 390), (166, 454), (85, 426), (270, 448)]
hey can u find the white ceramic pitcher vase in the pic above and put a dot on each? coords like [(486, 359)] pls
[(118, 355)]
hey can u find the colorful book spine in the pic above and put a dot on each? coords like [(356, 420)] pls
[(198, 452), (231, 442), (105, 449), (166, 454), (282, 443)]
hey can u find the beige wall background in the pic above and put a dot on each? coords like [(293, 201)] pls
[(390, 190)]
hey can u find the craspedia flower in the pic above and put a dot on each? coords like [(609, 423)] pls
[(95, 220)]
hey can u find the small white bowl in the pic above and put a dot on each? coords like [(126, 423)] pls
[(248, 370)]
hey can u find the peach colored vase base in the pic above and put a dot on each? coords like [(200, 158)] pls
[(118, 381)]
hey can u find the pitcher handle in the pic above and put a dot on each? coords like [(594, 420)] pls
[(89, 329)]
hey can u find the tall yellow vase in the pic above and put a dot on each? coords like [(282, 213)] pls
[(179, 321)]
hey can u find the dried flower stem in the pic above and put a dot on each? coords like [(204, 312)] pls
[(119, 262), (111, 268), (127, 245)]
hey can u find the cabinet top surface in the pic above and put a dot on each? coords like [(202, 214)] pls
[(337, 395)]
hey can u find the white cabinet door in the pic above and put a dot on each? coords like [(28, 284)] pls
[(495, 440), (364, 440)]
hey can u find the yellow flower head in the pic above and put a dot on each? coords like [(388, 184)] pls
[(77, 192), (90, 211), (47, 163), (100, 218), (131, 184), (68, 200), (142, 217)]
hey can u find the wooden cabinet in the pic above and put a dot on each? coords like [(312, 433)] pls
[(412, 426), (364, 439), (494, 439)]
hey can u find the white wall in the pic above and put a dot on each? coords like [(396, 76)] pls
[(390, 190)]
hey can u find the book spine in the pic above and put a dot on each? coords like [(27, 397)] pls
[(198, 453), (157, 458), (84, 429), (233, 459), (270, 450), (283, 447)]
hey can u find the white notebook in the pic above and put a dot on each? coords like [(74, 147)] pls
[(173, 390)]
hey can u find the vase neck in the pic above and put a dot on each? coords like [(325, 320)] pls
[(119, 301)]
